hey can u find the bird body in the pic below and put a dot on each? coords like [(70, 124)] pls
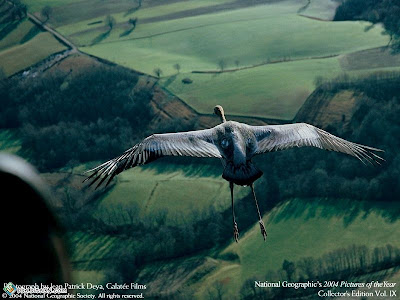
[(235, 144)]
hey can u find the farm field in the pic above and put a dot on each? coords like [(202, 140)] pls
[(19, 57), (275, 32), (272, 91), (22, 44), (256, 61), (180, 191), (297, 229), (300, 228)]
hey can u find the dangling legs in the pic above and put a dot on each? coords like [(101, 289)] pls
[(262, 226), (235, 228)]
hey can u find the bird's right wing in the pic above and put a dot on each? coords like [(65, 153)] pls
[(198, 143), (281, 137)]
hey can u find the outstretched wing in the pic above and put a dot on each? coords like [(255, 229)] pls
[(192, 143), (281, 137)]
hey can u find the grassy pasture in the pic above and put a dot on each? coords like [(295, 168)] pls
[(273, 91), (23, 32), (78, 13), (143, 13), (320, 9), (274, 32), (302, 228), (19, 57), (181, 191), (298, 228), (37, 5)]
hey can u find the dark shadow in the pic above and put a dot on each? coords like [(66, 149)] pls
[(100, 37), (30, 34), (8, 28), (188, 166), (170, 80), (127, 32), (95, 22)]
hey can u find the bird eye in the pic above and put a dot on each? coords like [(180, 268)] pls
[(224, 143)]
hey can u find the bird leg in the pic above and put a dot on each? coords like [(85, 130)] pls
[(262, 226), (235, 228)]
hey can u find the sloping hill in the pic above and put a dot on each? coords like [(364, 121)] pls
[(23, 44)]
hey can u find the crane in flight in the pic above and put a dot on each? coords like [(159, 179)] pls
[(235, 144)]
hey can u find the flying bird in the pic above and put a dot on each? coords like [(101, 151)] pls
[(235, 144)]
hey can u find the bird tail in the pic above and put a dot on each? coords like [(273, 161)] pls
[(243, 174)]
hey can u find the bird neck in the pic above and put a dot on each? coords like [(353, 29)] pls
[(223, 119)]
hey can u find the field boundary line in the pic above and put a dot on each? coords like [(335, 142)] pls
[(263, 64)]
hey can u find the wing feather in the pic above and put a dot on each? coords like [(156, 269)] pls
[(281, 137), (192, 143)]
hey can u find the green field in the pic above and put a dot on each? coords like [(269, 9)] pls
[(181, 191), (297, 229), (37, 5), (149, 12), (273, 91), (23, 44), (305, 228), (19, 57), (272, 55), (275, 32), (273, 77)]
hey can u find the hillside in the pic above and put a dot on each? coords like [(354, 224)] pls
[(282, 64), (132, 68), (22, 43)]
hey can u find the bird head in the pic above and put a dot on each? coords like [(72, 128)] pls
[(219, 111)]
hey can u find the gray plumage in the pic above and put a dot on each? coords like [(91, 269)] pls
[(235, 144)]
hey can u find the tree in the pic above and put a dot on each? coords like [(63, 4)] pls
[(221, 64), (2, 74), (158, 72), (217, 292), (110, 22), (132, 22), (46, 12), (177, 67), (289, 268)]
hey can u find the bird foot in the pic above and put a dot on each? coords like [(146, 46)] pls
[(235, 232), (263, 231)]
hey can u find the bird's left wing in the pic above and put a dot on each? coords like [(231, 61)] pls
[(198, 143), (279, 137)]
